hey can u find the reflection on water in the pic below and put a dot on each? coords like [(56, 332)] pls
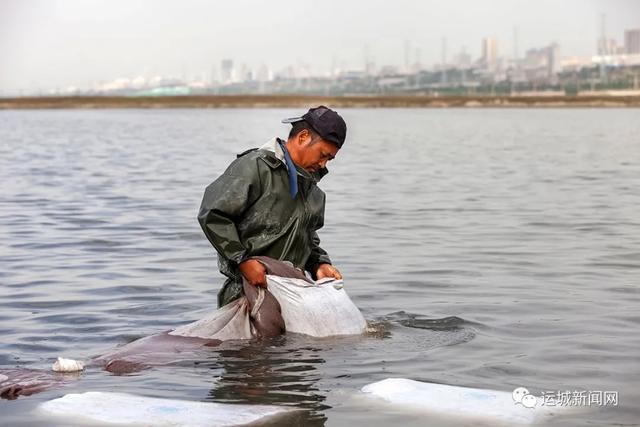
[(504, 243), (272, 372)]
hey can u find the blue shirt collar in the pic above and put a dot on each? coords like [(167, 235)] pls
[(291, 170)]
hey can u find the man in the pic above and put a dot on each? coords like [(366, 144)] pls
[(267, 203)]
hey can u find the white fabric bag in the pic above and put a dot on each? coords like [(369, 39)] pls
[(319, 309)]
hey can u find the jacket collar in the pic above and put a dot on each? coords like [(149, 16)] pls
[(274, 148)]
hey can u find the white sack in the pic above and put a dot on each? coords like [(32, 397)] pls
[(319, 309)]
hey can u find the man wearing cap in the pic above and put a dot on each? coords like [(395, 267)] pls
[(267, 203)]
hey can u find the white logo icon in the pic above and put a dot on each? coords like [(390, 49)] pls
[(521, 395)]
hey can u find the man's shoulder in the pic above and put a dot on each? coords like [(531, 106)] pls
[(267, 156), (249, 161), (246, 152)]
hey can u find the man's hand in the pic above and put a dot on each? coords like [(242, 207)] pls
[(254, 272), (327, 270)]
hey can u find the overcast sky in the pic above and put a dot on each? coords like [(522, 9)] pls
[(47, 43)]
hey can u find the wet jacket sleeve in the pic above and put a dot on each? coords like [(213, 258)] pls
[(225, 200)]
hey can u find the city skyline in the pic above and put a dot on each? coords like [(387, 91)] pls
[(31, 65)]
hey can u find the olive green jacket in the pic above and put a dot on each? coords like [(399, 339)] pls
[(248, 211)]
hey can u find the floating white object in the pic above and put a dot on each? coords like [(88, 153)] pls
[(67, 365), (319, 309), (123, 408), (489, 406)]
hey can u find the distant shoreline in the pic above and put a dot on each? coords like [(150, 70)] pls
[(291, 101)]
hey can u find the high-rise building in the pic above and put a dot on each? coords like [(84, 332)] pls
[(542, 63), (370, 67), (407, 55), (632, 41), (553, 59), (246, 74), (489, 53), (369, 62), (226, 71)]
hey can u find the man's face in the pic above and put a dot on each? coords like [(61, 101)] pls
[(313, 155)]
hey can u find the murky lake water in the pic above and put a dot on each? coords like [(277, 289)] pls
[(499, 248)]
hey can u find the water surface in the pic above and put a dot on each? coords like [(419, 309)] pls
[(496, 249)]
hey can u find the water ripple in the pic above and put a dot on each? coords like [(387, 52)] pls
[(504, 243)]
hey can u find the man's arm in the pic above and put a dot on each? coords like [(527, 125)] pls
[(225, 200), (319, 263), (318, 255)]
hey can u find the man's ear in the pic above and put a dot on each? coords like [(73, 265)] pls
[(303, 137)]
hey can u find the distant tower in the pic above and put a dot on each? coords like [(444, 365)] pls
[(407, 61), (213, 75), (603, 45), (632, 41), (553, 63), (369, 63), (365, 57), (246, 74), (444, 60), (444, 53), (490, 53), (226, 71)]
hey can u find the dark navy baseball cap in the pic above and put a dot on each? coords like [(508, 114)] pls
[(326, 122)]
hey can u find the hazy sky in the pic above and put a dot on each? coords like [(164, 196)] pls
[(47, 43)]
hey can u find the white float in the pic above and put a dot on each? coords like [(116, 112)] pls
[(479, 405), (129, 409), (67, 365)]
